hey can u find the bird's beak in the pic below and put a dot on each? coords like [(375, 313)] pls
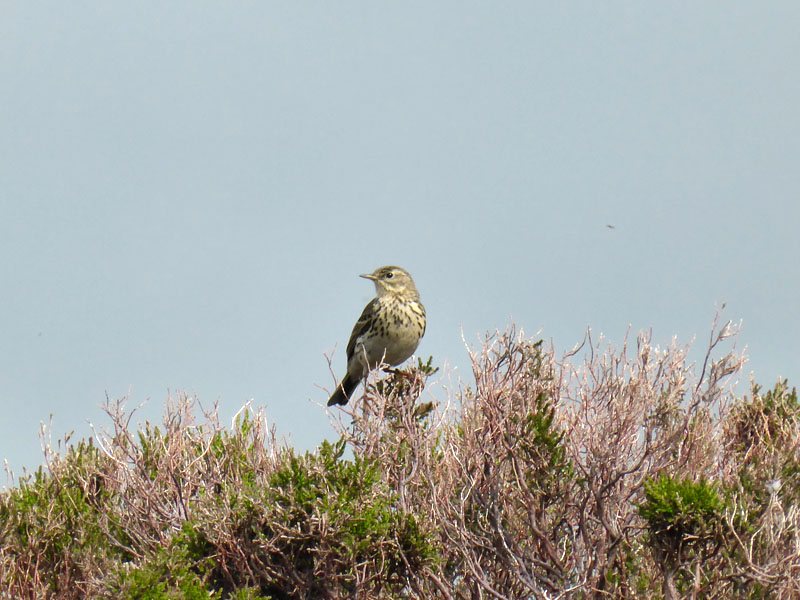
[(370, 276)]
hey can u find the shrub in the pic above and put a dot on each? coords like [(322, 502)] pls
[(762, 464), (603, 473), (685, 524), (56, 529)]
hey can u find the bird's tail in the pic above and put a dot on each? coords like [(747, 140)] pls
[(344, 390)]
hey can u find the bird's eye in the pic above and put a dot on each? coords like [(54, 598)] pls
[(389, 275)]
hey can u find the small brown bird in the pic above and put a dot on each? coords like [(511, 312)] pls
[(388, 330)]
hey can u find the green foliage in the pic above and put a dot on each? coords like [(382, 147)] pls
[(57, 521), (169, 574), (683, 516), (427, 367), (542, 445), (535, 433), (634, 570), (363, 525), (151, 444), (185, 570)]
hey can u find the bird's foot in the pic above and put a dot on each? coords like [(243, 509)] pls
[(410, 376), (400, 372)]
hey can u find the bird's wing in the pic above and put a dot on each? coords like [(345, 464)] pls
[(361, 326)]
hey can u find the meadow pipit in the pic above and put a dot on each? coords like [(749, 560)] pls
[(388, 331)]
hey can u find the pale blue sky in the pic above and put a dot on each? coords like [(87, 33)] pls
[(189, 190)]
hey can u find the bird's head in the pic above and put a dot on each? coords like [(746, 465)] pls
[(393, 280)]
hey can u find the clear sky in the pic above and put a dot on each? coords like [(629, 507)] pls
[(189, 190)]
